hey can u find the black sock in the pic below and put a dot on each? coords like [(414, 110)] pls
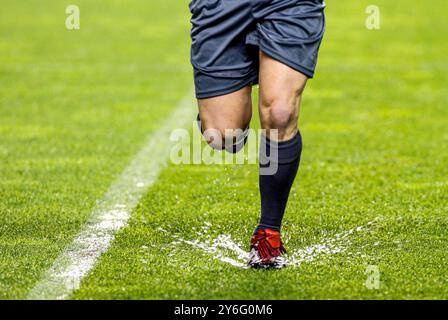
[(275, 188)]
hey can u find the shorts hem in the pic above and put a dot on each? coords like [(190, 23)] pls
[(222, 92)]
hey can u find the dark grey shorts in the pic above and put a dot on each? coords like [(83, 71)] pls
[(227, 34)]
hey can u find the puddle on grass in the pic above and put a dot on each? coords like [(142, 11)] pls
[(224, 248)]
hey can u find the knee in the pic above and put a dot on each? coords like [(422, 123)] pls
[(214, 136), (221, 137), (279, 115)]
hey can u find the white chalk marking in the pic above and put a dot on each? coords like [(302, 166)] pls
[(113, 211)]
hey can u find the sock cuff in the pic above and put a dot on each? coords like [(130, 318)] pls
[(199, 123), (264, 226), (287, 151), (239, 143)]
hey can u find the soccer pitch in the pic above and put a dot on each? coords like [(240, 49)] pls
[(368, 213)]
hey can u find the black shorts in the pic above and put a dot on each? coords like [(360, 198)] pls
[(227, 34)]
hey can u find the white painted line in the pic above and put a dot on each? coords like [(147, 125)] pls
[(113, 211)]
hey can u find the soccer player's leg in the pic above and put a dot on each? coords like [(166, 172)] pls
[(289, 36), (281, 89), (224, 120)]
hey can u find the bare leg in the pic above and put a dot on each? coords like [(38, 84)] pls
[(232, 111), (281, 89)]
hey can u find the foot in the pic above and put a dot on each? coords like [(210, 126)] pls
[(267, 250)]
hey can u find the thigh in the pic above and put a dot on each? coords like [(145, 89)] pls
[(281, 89), (230, 111), (279, 82)]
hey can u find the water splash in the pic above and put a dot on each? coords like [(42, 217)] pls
[(224, 248)]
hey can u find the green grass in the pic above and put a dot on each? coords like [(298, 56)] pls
[(75, 106)]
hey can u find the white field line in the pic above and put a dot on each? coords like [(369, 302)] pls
[(113, 211)]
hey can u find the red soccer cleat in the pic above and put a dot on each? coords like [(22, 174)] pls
[(266, 250)]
